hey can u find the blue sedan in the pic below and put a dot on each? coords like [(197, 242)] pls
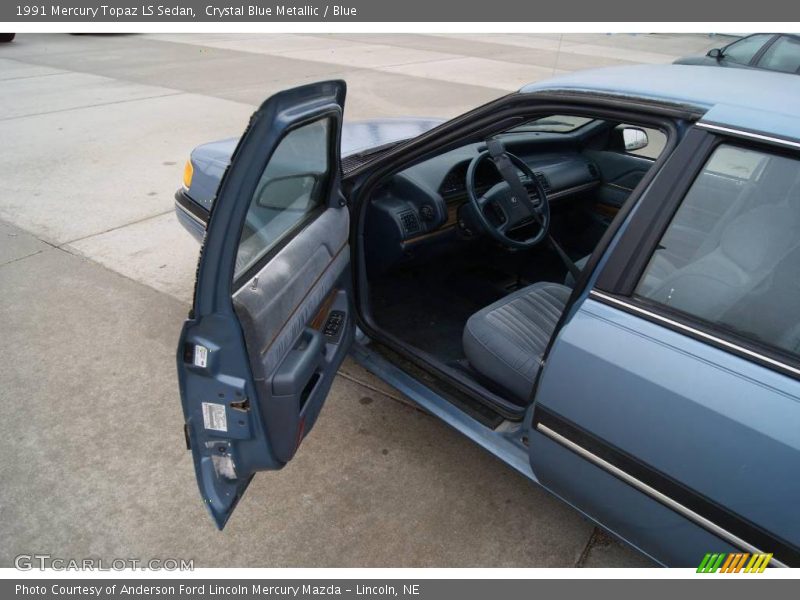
[(595, 279)]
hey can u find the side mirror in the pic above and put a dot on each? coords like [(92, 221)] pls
[(714, 53), (293, 192), (634, 138)]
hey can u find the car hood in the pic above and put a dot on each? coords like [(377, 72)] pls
[(210, 160), (697, 59)]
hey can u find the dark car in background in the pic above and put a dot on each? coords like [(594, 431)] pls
[(771, 51)]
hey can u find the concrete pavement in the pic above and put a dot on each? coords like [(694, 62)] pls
[(96, 278), (96, 465)]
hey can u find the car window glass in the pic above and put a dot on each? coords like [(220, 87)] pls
[(731, 255), (744, 50), (292, 185), (552, 124), (783, 55), (736, 163)]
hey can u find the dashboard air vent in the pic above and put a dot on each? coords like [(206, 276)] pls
[(453, 183), (410, 222)]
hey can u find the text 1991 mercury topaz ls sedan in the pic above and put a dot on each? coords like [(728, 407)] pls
[(598, 277)]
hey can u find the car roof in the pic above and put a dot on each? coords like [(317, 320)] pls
[(749, 99)]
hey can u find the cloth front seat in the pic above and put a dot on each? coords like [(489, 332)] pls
[(506, 340)]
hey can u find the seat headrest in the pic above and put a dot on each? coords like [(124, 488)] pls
[(752, 238)]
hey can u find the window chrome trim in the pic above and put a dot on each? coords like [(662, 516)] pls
[(696, 332), (652, 492), (749, 134)]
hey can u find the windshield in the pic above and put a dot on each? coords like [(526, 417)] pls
[(552, 124)]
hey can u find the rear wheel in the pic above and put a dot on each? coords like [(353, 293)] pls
[(7, 37)]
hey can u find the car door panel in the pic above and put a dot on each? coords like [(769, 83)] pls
[(257, 355), (651, 527), (698, 422), (717, 432), (276, 311), (281, 299)]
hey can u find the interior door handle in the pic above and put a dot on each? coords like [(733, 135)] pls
[(300, 364)]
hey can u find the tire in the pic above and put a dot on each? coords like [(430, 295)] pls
[(7, 37)]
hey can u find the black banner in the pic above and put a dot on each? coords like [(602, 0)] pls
[(392, 11), (731, 587)]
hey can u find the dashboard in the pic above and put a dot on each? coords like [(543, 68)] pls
[(424, 204)]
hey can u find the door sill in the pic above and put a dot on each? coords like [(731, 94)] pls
[(465, 402), (506, 441), (461, 384)]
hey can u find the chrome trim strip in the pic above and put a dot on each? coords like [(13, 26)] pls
[(696, 332), (653, 493), (749, 134), (619, 187), (189, 214)]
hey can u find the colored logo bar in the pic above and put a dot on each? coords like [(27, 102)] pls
[(734, 563)]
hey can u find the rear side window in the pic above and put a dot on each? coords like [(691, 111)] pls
[(291, 187), (783, 55), (731, 255)]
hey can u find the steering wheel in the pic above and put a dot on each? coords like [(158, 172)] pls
[(510, 199)]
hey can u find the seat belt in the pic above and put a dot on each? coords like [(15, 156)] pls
[(568, 262), (500, 158)]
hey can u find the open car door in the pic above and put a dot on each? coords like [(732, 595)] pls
[(271, 320)]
